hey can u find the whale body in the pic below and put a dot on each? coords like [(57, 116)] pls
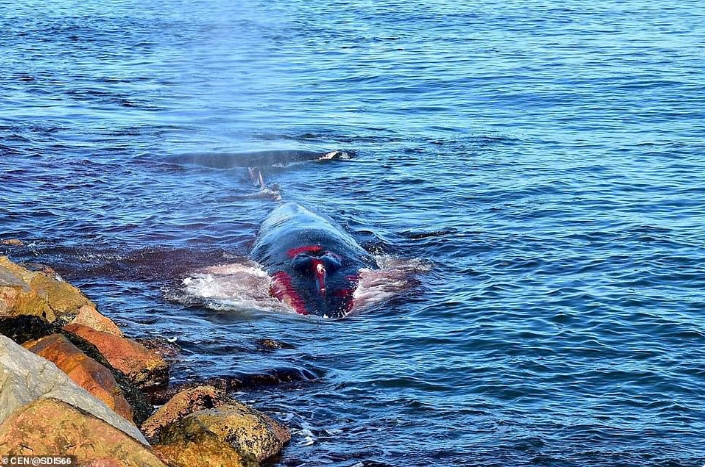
[(227, 160), (313, 263)]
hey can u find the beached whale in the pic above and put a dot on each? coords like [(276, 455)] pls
[(314, 264)]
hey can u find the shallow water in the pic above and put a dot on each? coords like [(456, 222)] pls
[(547, 159)]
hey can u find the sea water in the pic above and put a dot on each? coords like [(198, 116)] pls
[(544, 161)]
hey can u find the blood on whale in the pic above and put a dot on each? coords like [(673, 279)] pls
[(314, 264)]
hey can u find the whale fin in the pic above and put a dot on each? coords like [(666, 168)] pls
[(274, 192), (256, 177)]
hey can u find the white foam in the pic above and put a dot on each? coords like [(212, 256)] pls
[(234, 286), (308, 441), (394, 276)]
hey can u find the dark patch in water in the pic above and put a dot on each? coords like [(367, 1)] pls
[(435, 233)]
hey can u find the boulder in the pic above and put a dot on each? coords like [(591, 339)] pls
[(16, 296), (25, 328), (254, 435), (89, 316), (11, 242), (168, 350), (182, 404), (25, 377), (35, 293), (43, 294), (202, 449), (83, 370), (145, 368), (51, 426)]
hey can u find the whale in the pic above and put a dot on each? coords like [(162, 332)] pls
[(313, 263), (229, 160)]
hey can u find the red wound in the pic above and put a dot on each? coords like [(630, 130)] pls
[(283, 290), (304, 249)]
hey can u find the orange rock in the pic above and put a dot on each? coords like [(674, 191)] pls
[(254, 435), (143, 367), (44, 294), (52, 426), (182, 404), (83, 370), (11, 242), (26, 377), (89, 316), (204, 450), (102, 463), (25, 292)]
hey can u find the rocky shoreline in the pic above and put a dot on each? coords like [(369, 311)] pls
[(72, 384)]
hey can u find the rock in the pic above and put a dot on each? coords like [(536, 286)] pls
[(83, 370), (163, 347), (89, 316), (39, 294), (271, 345), (50, 426), (25, 328), (182, 404), (141, 406), (271, 377), (254, 435), (9, 278), (16, 296), (25, 292), (11, 242), (287, 377), (145, 368), (102, 463), (202, 449), (25, 377)]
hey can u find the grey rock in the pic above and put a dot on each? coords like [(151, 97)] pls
[(25, 377)]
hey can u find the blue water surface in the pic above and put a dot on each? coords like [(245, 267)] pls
[(548, 159)]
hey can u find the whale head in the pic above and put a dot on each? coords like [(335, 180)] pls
[(316, 283)]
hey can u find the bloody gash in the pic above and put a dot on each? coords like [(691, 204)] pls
[(314, 264)]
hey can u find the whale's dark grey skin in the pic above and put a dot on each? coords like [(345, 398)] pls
[(314, 264), (258, 158)]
